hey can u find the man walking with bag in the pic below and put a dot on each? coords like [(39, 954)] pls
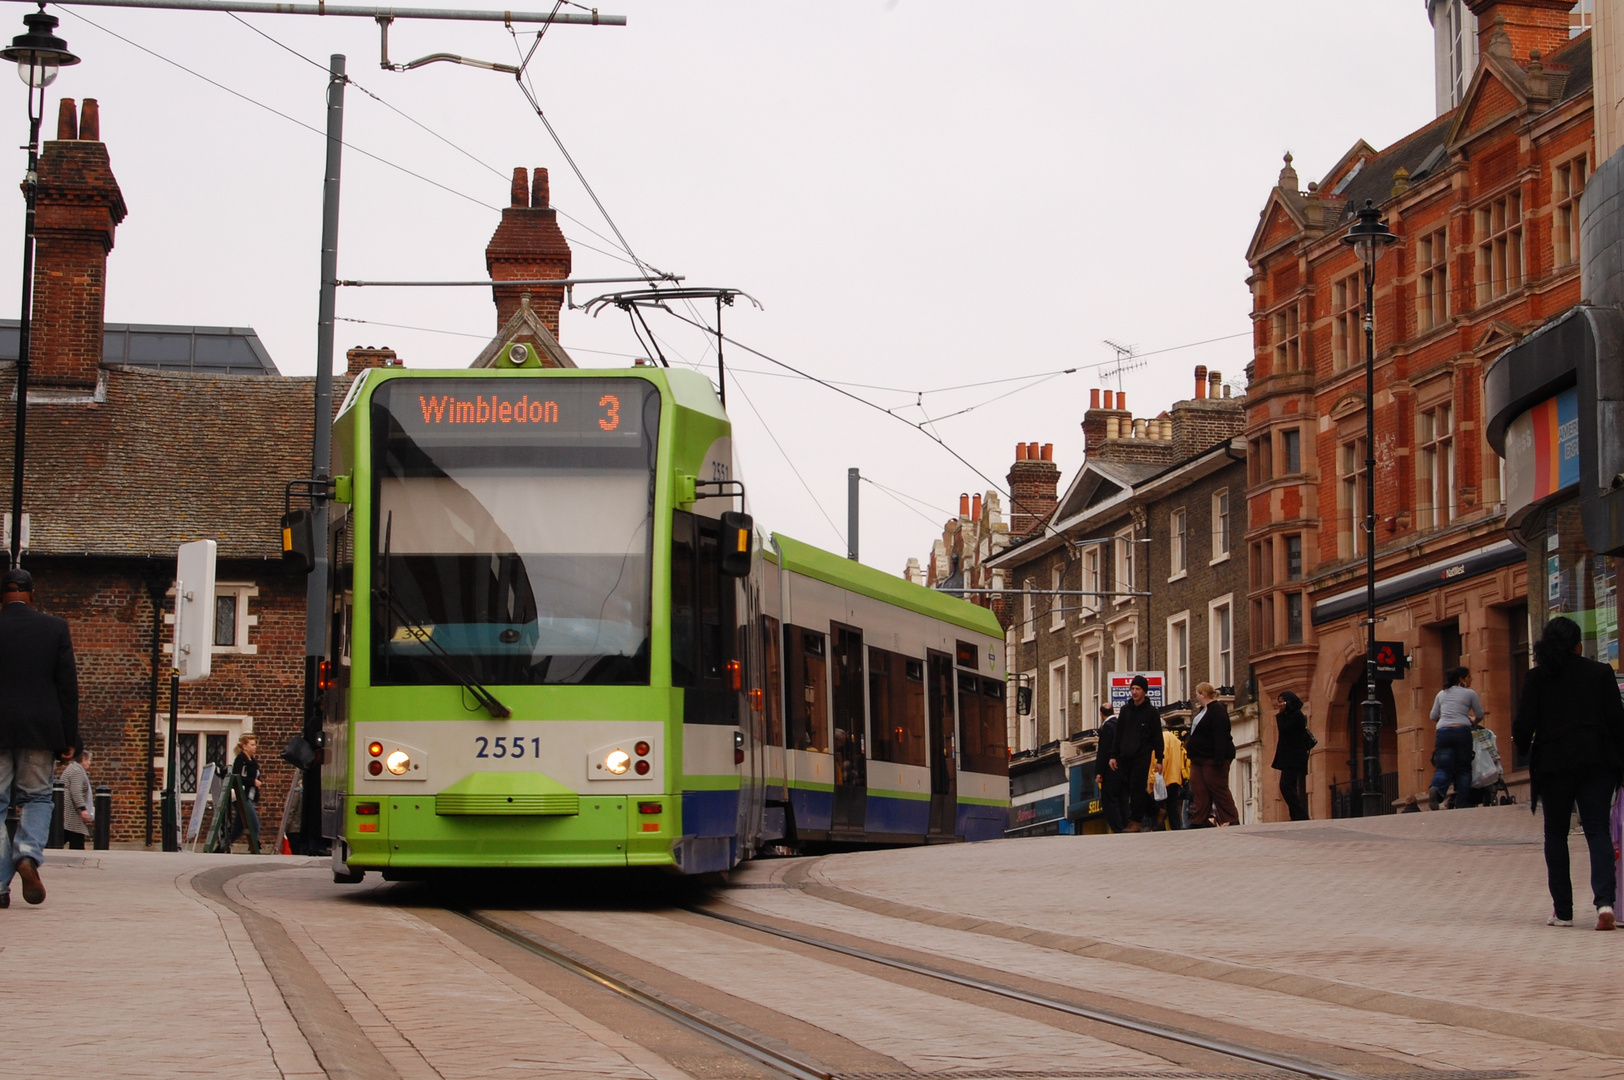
[(39, 718)]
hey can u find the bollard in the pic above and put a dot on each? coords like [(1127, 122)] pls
[(58, 796), (104, 817)]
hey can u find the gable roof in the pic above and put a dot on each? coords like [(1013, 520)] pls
[(168, 457), (525, 326)]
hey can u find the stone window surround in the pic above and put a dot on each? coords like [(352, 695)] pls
[(233, 725), (244, 591)]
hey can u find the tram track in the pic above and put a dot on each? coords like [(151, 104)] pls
[(760, 1049)]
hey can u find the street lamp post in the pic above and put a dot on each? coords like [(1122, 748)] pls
[(1369, 238), (39, 54)]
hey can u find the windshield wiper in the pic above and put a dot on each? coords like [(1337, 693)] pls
[(433, 649), (438, 655)]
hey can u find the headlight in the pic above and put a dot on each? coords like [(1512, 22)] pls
[(398, 762), (617, 762)]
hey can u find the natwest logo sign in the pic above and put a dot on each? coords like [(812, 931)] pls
[(1391, 660)]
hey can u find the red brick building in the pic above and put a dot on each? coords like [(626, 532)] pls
[(1484, 201), (141, 438)]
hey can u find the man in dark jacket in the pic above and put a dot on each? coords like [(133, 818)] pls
[(1570, 724), (39, 718), (1139, 740), (1113, 797)]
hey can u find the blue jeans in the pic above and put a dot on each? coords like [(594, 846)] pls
[(1453, 759), (1593, 792), (29, 773)]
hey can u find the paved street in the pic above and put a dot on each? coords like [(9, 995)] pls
[(1412, 942)]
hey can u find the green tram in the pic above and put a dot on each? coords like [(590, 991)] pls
[(559, 641)]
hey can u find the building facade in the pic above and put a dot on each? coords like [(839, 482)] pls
[(1139, 567), (1485, 203)]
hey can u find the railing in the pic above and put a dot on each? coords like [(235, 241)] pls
[(1347, 800)]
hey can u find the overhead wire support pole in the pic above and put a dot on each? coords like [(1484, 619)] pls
[(249, 7), (316, 605)]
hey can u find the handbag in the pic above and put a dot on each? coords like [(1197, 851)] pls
[(1308, 737), (1159, 789)]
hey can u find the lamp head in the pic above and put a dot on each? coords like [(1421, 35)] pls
[(39, 52), (1369, 236)]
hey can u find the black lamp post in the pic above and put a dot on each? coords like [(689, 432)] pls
[(38, 53), (1369, 238)]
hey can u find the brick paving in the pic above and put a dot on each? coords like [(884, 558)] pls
[(1418, 939)]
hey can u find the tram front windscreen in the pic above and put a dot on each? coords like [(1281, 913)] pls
[(512, 530)]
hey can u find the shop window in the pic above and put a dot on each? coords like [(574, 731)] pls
[(896, 707), (1346, 328), (1517, 635), (1432, 281), (1435, 468), (1567, 184), (1499, 247)]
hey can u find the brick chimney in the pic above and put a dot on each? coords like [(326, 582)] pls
[(365, 356), (528, 246), (78, 208), (1033, 482), (1097, 420), (1529, 24)]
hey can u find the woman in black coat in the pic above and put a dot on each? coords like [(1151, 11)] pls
[(1570, 723), (1211, 748), (1291, 754)]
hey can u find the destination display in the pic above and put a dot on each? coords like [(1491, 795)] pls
[(525, 411)]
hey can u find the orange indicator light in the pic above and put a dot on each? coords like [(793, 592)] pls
[(642, 749), (375, 749), (367, 826), (651, 826)]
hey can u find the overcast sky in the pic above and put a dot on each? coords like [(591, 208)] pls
[(922, 195)]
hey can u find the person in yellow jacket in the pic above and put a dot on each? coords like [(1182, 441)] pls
[(1175, 771)]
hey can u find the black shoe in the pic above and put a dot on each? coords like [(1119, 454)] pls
[(5, 899), (33, 887)]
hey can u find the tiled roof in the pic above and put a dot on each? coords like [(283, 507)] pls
[(167, 458), (206, 350)]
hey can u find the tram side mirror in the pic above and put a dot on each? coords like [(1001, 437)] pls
[(298, 541), (1023, 700), (737, 531)]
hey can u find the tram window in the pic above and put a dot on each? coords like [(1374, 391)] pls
[(772, 659), (896, 707), (712, 636), (684, 658), (967, 653), (807, 693), (983, 733)]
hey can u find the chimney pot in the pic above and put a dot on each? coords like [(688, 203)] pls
[(1113, 427), (1167, 430), (1226, 391), (1122, 400), (1094, 398), (1031, 451), (1213, 379), (90, 121), (67, 120), (964, 504), (1139, 428), (1020, 451), (975, 507), (520, 195), (541, 190), (1200, 381), (1048, 451)]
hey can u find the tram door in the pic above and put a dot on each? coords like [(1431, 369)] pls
[(850, 742), (944, 798)]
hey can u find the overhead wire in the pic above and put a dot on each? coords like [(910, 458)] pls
[(897, 497)]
